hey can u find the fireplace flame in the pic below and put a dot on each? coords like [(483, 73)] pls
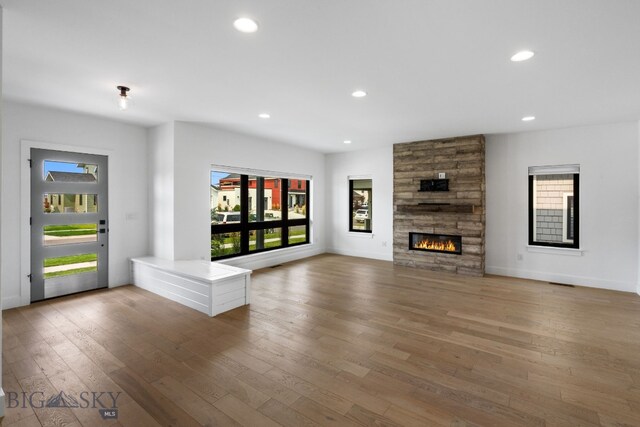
[(433, 245)]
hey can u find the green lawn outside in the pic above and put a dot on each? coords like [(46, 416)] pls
[(66, 233), (70, 230), (69, 272), (292, 234), (218, 250), (72, 259), (267, 245)]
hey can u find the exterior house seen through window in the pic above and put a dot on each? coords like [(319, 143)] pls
[(554, 206), (360, 205), (252, 213)]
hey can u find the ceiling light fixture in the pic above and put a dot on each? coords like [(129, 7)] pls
[(523, 55), (528, 118), (245, 25), (347, 141), (359, 94), (264, 115), (123, 101)]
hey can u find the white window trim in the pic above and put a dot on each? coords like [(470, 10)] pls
[(554, 170), (555, 250), (260, 172)]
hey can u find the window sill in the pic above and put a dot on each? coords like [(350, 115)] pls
[(555, 251), (362, 234)]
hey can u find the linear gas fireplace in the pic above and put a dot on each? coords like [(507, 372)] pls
[(442, 243)]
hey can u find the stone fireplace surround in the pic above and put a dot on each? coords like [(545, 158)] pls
[(459, 211)]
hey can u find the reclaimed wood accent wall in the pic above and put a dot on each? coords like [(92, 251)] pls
[(459, 211)]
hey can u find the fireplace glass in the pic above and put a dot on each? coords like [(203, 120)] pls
[(442, 243)]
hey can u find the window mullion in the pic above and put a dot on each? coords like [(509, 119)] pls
[(284, 213), (244, 214)]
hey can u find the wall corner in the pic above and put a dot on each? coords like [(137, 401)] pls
[(638, 219)]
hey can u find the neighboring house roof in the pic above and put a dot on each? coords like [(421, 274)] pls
[(232, 175), (215, 187), (70, 177)]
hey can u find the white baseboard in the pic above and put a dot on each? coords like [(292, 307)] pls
[(12, 302), (361, 254), (275, 257), (117, 285), (591, 282)]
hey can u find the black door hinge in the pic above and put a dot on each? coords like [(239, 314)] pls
[(30, 220), (29, 276), (29, 160)]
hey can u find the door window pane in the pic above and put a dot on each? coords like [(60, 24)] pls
[(70, 203), (69, 234), (224, 244), (68, 265), (70, 172), (265, 239)]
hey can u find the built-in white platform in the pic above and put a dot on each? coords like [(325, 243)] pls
[(208, 287)]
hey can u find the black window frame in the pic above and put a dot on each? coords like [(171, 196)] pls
[(351, 204), (576, 215), (245, 228)]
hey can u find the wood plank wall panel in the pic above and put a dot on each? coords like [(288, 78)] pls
[(463, 160)]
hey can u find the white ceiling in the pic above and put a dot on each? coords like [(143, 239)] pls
[(431, 68)]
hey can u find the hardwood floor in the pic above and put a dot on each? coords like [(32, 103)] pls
[(334, 340)]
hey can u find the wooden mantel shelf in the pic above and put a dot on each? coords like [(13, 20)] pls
[(436, 207)]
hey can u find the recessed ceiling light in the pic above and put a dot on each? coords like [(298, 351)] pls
[(347, 141), (264, 115), (359, 94), (528, 118), (246, 25), (523, 55)]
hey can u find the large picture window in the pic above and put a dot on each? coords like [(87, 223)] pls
[(554, 206), (254, 213), (360, 205)]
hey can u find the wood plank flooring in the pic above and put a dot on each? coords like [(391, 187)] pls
[(336, 341)]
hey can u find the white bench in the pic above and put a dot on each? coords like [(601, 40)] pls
[(202, 285)]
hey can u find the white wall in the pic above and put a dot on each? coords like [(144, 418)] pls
[(608, 158), (161, 190), (127, 149), (196, 148), (1, 281), (377, 164)]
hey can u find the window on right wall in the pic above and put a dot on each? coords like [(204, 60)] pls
[(554, 209)]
